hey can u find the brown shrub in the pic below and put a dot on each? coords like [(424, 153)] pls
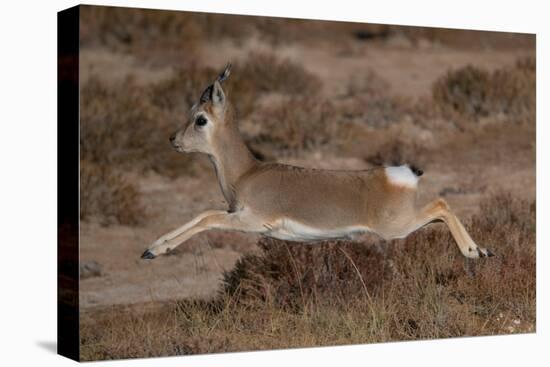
[(271, 74), (258, 73), (467, 39), (176, 36), (370, 84), (514, 90), (121, 127), (296, 125), (279, 31), (464, 90), (127, 333), (290, 274), (395, 152), (508, 224), (108, 196), (132, 28), (366, 101), (182, 89), (154, 35), (185, 87), (476, 93), (379, 111)]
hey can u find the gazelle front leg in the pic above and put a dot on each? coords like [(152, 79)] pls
[(212, 219), (162, 241)]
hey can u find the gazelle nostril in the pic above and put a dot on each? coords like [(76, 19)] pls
[(148, 255), (172, 138)]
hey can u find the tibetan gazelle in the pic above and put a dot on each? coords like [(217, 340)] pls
[(295, 203)]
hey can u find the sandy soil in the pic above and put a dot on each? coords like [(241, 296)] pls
[(496, 159)]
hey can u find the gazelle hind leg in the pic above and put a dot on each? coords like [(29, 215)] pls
[(439, 210)]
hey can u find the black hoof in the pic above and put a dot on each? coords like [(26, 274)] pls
[(487, 253), (147, 255)]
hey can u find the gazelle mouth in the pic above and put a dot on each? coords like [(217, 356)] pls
[(178, 148)]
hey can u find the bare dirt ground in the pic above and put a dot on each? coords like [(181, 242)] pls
[(498, 158)]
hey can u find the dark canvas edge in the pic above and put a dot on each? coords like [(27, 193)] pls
[(68, 338)]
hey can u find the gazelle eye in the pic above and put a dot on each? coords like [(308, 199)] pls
[(201, 121)]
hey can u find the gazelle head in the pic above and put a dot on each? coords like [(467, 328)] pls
[(208, 120)]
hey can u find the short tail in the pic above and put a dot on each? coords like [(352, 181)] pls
[(417, 171)]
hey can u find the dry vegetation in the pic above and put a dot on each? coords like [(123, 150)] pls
[(475, 93), (121, 126), (296, 125), (108, 196), (295, 295), (367, 101), (288, 294)]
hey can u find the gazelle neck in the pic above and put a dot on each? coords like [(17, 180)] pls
[(231, 159)]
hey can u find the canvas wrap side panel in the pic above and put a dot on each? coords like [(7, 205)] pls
[(68, 343)]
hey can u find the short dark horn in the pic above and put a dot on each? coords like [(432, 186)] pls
[(225, 73), (207, 94)]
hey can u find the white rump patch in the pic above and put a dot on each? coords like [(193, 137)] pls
[(402, 176)]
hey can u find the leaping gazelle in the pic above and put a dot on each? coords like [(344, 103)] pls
[(295, 203)]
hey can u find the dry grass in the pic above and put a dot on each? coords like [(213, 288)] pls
[(121, 126), (295, 295), (271, 74), (124, 128), (466, 39), (183, 89), (179, 92), (476, 93), (395, 152), (170, 32), (257, 74), (367, 101), (460, 100), (108, 196), (154, 35), (379, 111), (370, 84), (296, 125), (158, 37)]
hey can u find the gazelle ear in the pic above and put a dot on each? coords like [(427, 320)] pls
[(214, 92), (218, 96)]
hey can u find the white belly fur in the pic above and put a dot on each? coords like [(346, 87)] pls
[(290, 230)]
